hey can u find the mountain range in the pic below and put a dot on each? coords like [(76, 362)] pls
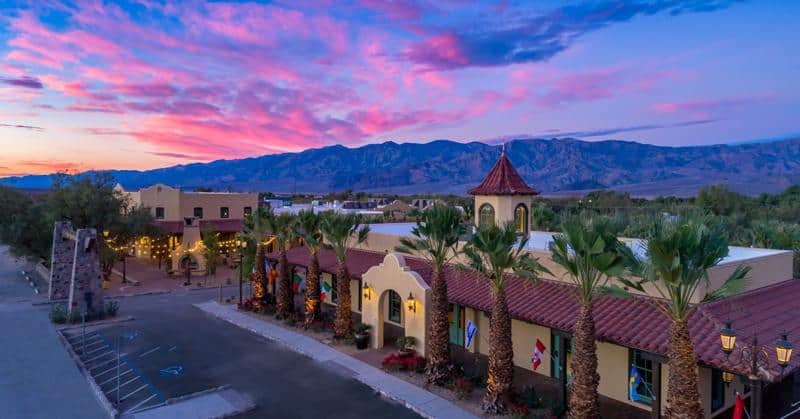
[(552, 166)]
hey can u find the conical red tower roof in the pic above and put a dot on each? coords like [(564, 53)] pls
[(503, 179)]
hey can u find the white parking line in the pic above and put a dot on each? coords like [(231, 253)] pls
[(150, 351), (98, 357), (139, 404), (79, 341), (95, 349), (134, 392), (129, 381), (104, 363), (114, 377)]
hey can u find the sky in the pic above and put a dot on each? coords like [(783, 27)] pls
[(144, 84)]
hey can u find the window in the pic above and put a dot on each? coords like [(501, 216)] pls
[(334, 290), (555, 358), (521, 219), (717, 390), (360, 291), (248, 211), (395, 307), (486, 216), (159, 213), (198, 212), (640, 378), (224, 212), (456, 318)]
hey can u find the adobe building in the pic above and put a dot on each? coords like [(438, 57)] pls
[(185, 215), (390, 292)]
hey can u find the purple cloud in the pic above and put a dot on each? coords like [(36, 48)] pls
[(512, 40), (27, 82)]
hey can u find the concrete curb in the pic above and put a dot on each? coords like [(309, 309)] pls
[(139, 294), (97, 323), (419, 400)]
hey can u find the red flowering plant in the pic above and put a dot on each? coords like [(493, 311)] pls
[(246, 305), (462, 387), (396, 362)]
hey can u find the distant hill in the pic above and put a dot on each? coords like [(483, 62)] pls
[(553, 166)]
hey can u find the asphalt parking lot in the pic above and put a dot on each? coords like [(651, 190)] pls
[(173, 349)]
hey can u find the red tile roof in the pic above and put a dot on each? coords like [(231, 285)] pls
[(503, 179), (222, 226), (171, 227), (633, 322)]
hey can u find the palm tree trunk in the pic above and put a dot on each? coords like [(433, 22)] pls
[(583, 399), (343, 324), (501, 357), (439, 367), (285, 299), (259, 278), (683, 396), (312, 290)]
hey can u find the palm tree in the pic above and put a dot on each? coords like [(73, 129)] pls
[(435, 238), (591, 256), (256, 230), (679, 255), (308, 228), (493, 251), (282, 227), (340, 232)]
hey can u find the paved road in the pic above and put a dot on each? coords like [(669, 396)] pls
[(38, 379), (181, 350)]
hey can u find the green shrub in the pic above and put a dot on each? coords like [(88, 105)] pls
[(530, 397), (112, 307), (58, 314), (361, 328)]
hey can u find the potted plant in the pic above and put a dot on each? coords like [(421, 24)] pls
[(361, 335), (406, 345)]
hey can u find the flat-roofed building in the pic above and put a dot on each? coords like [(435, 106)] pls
[(185, 215)]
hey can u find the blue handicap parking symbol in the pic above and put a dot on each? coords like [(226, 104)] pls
[(173, 370)]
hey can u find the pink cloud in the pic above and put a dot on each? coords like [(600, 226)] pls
[(440, 51)]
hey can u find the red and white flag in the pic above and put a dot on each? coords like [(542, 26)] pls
[(738, 408), (538, 351)]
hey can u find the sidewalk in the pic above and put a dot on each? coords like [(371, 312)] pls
[(417, 399)]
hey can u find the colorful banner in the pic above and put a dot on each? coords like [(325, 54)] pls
[(633, 382), (538, 351), (471, 331)]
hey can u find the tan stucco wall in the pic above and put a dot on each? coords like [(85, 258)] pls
[(162, 196), (211, 202), (524, 337), (355, 290), (178, 204), (504, 207), (766, 270), (393, 274)]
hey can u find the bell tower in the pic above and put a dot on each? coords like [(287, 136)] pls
[(503, 196)]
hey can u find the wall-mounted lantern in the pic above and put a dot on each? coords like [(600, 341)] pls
[(367, 291), (412, 303)]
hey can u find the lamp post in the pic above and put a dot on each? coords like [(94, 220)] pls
[(756, 356), (242, 245)]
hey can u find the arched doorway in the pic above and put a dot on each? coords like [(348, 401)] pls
[(485, 216), (188, 260), (521, 219), (391, 317)]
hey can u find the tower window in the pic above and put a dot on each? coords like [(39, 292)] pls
[(521, 219), (486, 216)]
